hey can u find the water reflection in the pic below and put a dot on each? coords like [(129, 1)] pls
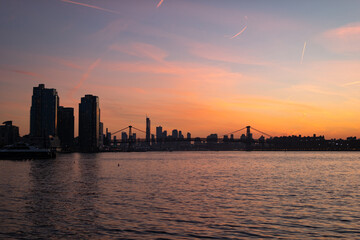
[(63, 196), (182, 196)]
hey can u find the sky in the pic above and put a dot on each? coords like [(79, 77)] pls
[(200, 66)]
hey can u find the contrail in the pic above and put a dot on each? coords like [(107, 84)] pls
[(239, 32), (303, 52), (159, 4), (90, 6), (86, 75)]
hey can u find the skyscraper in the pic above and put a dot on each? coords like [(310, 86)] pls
[(43, 113), (89, 123), (159, 134), (66, 127), (147, 130)]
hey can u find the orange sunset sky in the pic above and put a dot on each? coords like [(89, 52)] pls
[(200, 66)]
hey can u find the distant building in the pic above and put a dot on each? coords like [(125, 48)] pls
[(212, 138), (66, 127), (115, 141), (152, 139), (159, 134), (243, 137), (9, 134), (108, 137), (188, 136), (101, 134), (43, 114), (148, 130), (124, 137), (175, 134), (89, 124), (181, 136)]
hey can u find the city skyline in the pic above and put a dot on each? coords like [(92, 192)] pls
[(286, 68)]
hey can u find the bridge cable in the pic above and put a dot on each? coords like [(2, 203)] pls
[(138, 129), (236, 131), (261, 132), (119, 131)]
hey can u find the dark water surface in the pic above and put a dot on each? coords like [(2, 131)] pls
[(182, 195)]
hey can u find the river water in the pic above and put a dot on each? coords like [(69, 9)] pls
[(182, 195)]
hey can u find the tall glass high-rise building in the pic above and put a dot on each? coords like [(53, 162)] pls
[(66, 127), (43, 112), (89, 123), (148, 130)]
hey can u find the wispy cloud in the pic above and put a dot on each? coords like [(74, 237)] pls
[(159, 4), (28, 73), (352, 83), (141, 50), (217, 53), (344, 39), (65, 63), (242, 30), (303, 52), (91, 6)]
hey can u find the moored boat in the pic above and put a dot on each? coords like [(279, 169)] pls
[(22, 151)]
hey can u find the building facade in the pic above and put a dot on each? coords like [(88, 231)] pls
[(66, 127), (9, 134), (89, 124), (43, 114), (148, 133)]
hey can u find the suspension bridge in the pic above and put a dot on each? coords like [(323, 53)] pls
[(130, 137)]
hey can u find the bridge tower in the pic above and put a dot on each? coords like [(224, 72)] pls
[(248, 133), (248, 139)]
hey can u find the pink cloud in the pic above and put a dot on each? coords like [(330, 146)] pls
[(112, 29), (344, 39), (23, 72), (215, 53)]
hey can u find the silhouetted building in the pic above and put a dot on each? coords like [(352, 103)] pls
[(115, 141), (243, 138), (213, 138), (89, 123), (188, 136), (152, 139), (124, 137), (101, 134), (147, 130), (181, 136), (66, 127), (159, 134), (175, 134), (43, 113), (108, 137), (9, 134)]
